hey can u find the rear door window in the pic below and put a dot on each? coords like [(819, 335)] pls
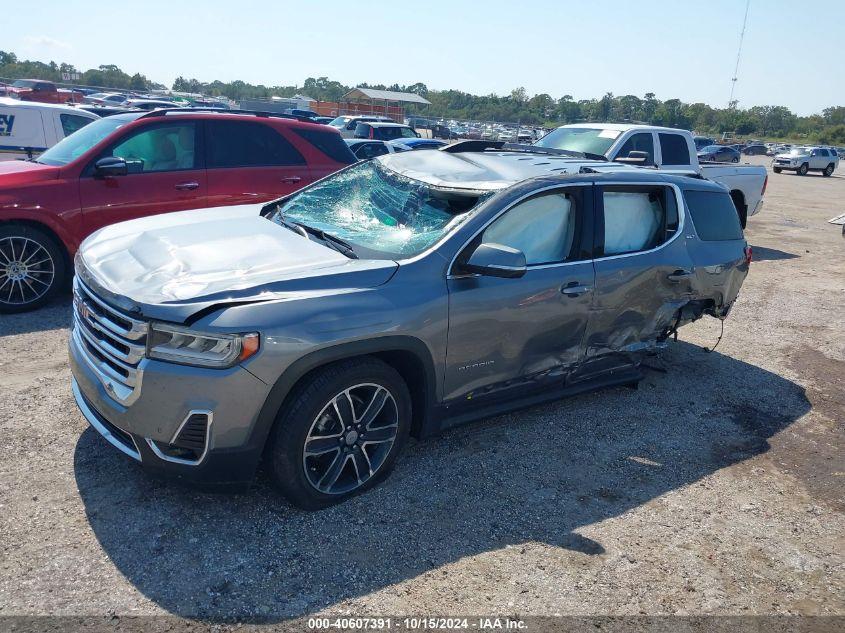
[(636, 218), (714, 215), (329, 143), (674, 150), (245, 144)]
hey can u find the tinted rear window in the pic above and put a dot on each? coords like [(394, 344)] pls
[(329, 143), (247, 144), (714, 215), (674, 149)]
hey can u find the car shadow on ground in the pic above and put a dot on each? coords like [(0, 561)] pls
[(55, 315), (534, 476), (762, 254)]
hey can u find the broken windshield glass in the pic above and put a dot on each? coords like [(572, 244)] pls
[(377, 211)]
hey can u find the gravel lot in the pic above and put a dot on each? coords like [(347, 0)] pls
[(715, 488)]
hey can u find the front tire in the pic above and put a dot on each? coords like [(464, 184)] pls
[(32, 268), (777, 170), (734, 159), (828, 171), (803, 169), (340, 432)]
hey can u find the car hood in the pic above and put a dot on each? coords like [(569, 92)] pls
[(174, 265), (789, 156), (22, 172)]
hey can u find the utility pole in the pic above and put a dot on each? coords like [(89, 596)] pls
[(731, 102)]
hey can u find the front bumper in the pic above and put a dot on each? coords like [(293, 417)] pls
[(168, 395)]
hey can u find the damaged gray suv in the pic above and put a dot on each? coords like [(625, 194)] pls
[(399, 296)]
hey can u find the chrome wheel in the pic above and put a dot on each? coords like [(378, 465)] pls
[(27, 271), (350, 438)]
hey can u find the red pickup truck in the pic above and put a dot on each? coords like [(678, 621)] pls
[(42, 91), (142, 163)]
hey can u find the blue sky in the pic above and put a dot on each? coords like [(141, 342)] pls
[(687, 49)]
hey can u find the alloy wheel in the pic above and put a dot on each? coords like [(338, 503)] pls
[(27, 270), (350, 438)]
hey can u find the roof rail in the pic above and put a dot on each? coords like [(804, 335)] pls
[(257, 113), (480, 146)]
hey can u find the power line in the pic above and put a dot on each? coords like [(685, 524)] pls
[(738, 54)]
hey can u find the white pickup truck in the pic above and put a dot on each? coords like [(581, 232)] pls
[(664, 148)]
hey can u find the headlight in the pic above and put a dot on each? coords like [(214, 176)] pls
[(189, 347)]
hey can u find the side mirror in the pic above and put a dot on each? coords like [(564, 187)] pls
[(418, 134), (110, 166), (496, 260), (634, 157)]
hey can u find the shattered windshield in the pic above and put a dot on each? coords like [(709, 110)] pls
[(377, 211)]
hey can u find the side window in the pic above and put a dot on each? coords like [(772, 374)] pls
[(637, 218), (714, 215), (640, 142), (71, 123), (823, 152), (376, 149), (160, 148), (543, 228), (246, 144), (329, 143), (674, 150)]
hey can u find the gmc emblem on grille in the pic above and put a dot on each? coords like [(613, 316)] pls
[(82, 309)]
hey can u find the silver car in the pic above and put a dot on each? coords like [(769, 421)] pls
[(803, 160), (402, 295)]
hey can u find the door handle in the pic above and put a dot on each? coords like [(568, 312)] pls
[(290, 180), (187, 186), (575, 289), (679, 275)]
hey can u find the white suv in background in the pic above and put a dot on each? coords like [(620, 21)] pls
[(802, 160)]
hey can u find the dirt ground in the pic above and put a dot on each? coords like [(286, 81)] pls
[(715, 488)]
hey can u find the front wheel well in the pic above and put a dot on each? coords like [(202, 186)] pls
[(417, 372), (44, 228)]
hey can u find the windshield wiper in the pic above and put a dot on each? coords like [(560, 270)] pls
[(335, 243)]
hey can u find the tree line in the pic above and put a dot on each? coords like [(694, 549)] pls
[(768, 121)]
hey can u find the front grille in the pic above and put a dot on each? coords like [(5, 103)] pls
[(114, 343)]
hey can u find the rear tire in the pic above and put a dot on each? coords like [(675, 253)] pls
[(828, 171), (32, 268), (328, 412), (803, 169)]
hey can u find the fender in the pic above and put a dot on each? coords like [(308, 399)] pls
[(380, 345)]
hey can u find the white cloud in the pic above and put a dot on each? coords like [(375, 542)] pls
[(44, 41)]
